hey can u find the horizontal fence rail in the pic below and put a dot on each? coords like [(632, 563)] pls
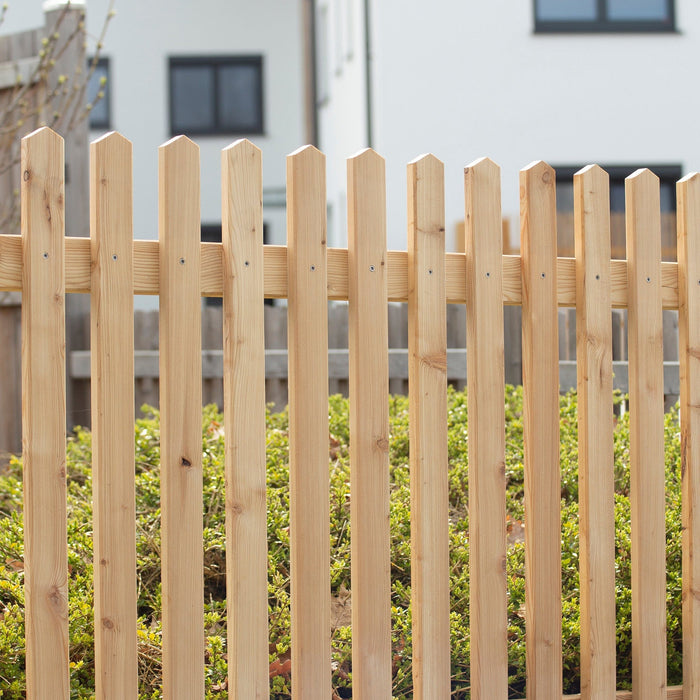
[(45, 265)]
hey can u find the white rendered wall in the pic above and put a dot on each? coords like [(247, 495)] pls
[(469, 79)]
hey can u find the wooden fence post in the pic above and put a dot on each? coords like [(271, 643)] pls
[(244, 421), (541, 432), (689, 355), (427, 392), (595, 451), (369, 428), (308, 424), (181, 420), (647, 475), (44, 416), (487, 484), (112, 385)]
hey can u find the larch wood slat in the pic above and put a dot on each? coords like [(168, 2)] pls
[(244, 421), (427, 390), (595, 441), (541, 432), (44, 421), (146, 273), (369, 428), (112, 392), (688, 190), (181, 420), (486, 425), (646, 408), (308, 425)]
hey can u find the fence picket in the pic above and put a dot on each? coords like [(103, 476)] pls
[(541, 432), (44, 421), (689, 356), (646, 436), (112, 387), (487, 484), (181, 420), (308, 424), (595, 452), (427, 394), (244, 421), (369, 428)]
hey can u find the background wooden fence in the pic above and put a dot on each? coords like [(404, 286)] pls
[(111, 267)]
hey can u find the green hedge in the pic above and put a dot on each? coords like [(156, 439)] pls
[(148, 548)]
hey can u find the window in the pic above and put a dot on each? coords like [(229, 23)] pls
[(219, 95), (604, 16), (99, 83), (668, 176)]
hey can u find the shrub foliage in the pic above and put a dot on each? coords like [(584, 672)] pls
[(12, 680)]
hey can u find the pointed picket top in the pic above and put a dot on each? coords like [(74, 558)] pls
[(643, 176), (592, 170), (306, 156), (179, 144), (539, 169), (111, 138), (427, 162), (484, 166), (112, 144), (690, 178), (42, 135), (242, 148), (366, 155)]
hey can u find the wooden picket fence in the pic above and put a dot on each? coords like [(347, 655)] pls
[(111, 267)]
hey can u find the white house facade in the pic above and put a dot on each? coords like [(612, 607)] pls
[(567, 81)]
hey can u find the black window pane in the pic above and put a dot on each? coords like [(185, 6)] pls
[(240, 100), (562, 10), (192, 98), (98, 83), (644, 10)]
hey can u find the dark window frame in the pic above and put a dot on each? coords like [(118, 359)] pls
[(668, 174), (216, 62), (603, 25), (100, 125)]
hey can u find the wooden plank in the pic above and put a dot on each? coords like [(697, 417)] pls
[(112, 388), (146, 273), (646, 437), (688, 190), (369, 428), (674, 693), (487, 482), (181, 420), (541, 432), (427, 391), (244, 421), (44, 422), (308, 424), (595, 433)]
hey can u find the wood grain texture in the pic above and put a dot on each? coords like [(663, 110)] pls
[(244, 421), (112, 391), (146, 273), (541, 432), (369, 428), (688, 191), (485, 380), (595, 433), (427, 392), (181, 420), (647, 499), (308, 425), (44, 422)]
